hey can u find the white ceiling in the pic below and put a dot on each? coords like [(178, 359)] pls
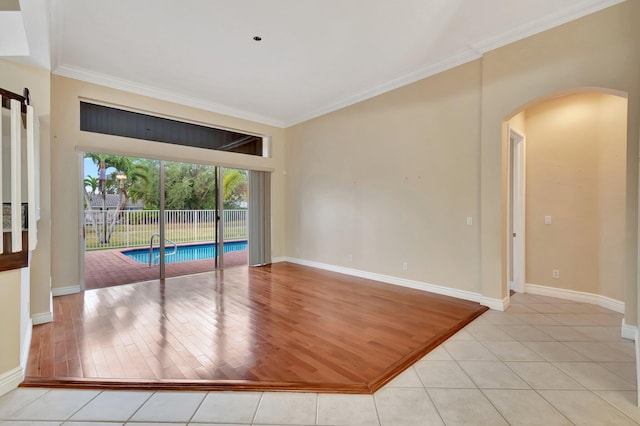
[(315, 55), (26, 39)]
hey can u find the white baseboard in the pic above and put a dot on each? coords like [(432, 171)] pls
[(11, 379), (278, 259), (496, 304), (637, 364), (63, 291), (26, 345), (42, 318), (576, 296), (629, 331)]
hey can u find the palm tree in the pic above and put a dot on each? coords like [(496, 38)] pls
[(91, 182), (128, 172), (146, 189), (234, 188)]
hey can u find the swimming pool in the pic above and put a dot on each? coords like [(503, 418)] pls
[(185, 253)]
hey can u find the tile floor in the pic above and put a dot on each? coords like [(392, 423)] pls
[(543, 362)]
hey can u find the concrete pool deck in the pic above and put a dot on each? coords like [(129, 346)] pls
[(105, 268)]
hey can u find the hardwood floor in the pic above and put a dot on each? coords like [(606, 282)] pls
[(282, 326)]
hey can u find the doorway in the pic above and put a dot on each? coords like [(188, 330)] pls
[(517, 210), (133, 231), (573, 196)]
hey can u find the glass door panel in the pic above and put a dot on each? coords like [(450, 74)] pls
[(121, 219), (191, 223)]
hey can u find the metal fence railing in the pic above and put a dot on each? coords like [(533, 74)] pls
[(133, 228)]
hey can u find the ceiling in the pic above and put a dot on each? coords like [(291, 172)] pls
[(315, 56)]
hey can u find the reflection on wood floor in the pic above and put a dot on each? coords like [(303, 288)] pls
[(105, 268), (282, 326)]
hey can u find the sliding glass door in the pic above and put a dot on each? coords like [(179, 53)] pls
[(192, 225), (148, 219)]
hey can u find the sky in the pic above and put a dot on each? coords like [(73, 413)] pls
[(90, 169)]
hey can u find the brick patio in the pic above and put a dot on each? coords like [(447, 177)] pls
[(105, 268)]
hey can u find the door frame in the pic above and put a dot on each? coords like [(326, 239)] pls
[(517, 210), (81, 228)]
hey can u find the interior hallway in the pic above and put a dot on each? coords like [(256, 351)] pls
[(543, 361)]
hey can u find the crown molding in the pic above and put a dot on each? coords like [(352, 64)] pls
[(547, 22), (475, 51), (472, 52), (161, 94), (453, 61)]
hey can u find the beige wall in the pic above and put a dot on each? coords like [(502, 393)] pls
[(576, 164), (67, 139), (612, 193), (599, 50), (392, 179), (15, 77), (9, 320)]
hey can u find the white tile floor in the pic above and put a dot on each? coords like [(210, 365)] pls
[(543, 362)]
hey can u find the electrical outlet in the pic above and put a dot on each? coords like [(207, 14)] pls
[(405, 266), (350, 258), (556, 273)]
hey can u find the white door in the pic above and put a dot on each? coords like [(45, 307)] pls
[(517, 163)]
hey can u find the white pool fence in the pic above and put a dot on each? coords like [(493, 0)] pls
[(134, 228)]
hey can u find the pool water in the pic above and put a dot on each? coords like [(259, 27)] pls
[(185, 253)]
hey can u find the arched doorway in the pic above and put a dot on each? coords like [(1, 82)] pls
[(570, 209)]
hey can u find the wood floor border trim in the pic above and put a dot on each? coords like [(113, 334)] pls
[(194, 385), (419, 353)]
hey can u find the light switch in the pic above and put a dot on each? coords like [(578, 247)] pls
[(547, 220), (469, 220)]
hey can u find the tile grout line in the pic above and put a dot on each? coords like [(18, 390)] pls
[(84, 405), (434, 404), (375, 406), (615, 407), (476, 387), (255, 412), (11, 413), (139, 407), (206, 394), (538, 393), (558, 409), (316, 407), (525, 381)]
